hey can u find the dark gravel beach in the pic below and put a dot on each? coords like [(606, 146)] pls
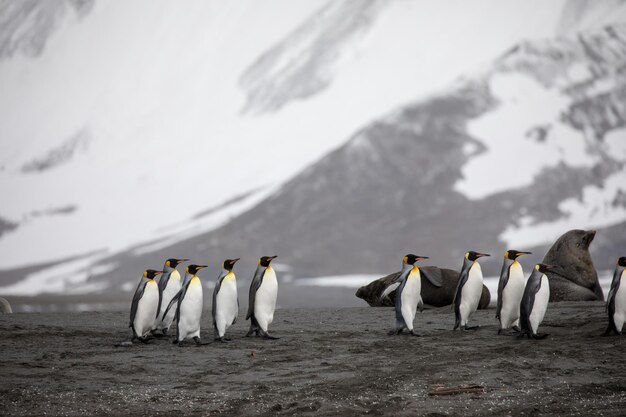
[(327, 362)]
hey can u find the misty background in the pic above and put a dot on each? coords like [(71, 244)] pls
[(338, 135)]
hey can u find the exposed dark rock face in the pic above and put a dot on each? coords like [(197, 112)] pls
[(431, 295)]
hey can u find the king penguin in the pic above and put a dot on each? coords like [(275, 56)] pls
[(616, 301), (510, 290), (262, 298), (169, 285), (225, 302), (145, 305), (469, 290), (189, 307), (535, 302), (408, 294)]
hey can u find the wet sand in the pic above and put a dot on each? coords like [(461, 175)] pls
[(327, 362)]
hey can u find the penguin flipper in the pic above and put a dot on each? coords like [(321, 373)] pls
[(617, 275), (504, 279), (420, 305), (172, 301), (391, 288), (254, 286), (433, 275), (216, 290), (463, 276), (136, 298)]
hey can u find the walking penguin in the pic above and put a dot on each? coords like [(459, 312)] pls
[(469, 290), (262, 298)]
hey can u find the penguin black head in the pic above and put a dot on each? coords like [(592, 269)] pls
[(265, 260), (230, 263), (410, 259), (472, 256), (543, 268), (151, 273), (621, 261), (193, 269), (513, 254), (173, 262)]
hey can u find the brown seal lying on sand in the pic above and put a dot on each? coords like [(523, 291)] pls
[(432, 294), (576, 279)]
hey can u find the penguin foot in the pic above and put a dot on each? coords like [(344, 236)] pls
[(222, 339), (251, 331), (470, 327), (393, 332), (175, 342), (157, 335), (500, 331), (538, 336), (267, 336), (414, 333), (516, 329), (145, 339), (198, 341)]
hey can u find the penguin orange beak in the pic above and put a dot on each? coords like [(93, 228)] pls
[(158, 272), (236, 259), (273, 257), (419, 258), (480, 255), (180, 261), (523, 253)]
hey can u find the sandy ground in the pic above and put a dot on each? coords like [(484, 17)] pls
[(327, 362)]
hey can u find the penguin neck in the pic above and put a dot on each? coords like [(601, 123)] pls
[(467, 264), (508, 262), (188, 277), (406, 267)]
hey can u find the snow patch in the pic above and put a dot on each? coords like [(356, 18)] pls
[(513, 156), (351, 281), (597, 208)]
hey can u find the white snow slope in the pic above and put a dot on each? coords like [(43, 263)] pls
[(130, 121)]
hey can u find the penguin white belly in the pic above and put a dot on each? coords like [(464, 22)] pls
[(265, 299), (512, 296), (620, 303), (471, 292), (540, 304), (172, 288), (147, 309), (410, 298), (191, 311), (227, 307)]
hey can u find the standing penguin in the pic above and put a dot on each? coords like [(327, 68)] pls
[(469, 290), (262, 298), (510, 291), (225, 301), (145, 305), (169, 285), (189, 308), (408, 294), (535, 302), (616, 301)]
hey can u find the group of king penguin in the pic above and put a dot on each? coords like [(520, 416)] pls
[(522, 303), (521, 306), (155, 306)]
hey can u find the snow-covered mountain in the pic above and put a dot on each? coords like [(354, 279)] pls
[(336, 135)]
